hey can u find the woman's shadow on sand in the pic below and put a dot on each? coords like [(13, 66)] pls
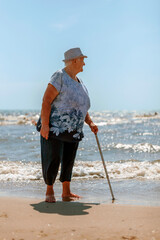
[(63, 208)]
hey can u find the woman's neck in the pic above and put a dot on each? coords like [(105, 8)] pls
[(71, 72)]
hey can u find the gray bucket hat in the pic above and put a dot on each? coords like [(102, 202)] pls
[(73, 53)]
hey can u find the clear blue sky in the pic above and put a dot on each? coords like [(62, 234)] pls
[(120, 37)]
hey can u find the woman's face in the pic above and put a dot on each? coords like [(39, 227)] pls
[(79, 64)]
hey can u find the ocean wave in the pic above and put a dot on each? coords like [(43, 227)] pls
[(144, 133), (100, 118), (131, 169), (111, 121), (140, 147), (22, 119)]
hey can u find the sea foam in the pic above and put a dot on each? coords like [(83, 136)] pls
[(140, 147), (131, 169)]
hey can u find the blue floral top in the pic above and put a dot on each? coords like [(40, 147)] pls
[(69, 108)]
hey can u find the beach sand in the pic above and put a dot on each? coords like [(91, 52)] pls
[(27, 219)]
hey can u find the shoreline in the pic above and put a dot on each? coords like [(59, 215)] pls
[(24, 218), (128, 192)]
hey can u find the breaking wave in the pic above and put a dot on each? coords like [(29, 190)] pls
[(18, 119), (131, 169), (140, 147), (100, 118)]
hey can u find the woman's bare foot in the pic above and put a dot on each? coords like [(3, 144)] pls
[(50, 194), (70, 197), (67, 195), (50, 198)]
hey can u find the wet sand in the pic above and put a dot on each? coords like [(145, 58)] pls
[(24, 218)]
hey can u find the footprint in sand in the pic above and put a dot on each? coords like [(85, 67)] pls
[(42, 234), (129, 238), (3, 215)]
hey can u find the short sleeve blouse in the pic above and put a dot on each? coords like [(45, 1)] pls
[(69, 108)]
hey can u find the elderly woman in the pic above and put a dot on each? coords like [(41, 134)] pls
[(64, 110)]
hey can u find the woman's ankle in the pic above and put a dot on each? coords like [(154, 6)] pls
[(49, 190), (66, 188)]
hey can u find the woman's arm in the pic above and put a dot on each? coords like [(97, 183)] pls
[(49, 95), (89, 121)]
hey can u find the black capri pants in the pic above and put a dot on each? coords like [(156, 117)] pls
[(54, 152)]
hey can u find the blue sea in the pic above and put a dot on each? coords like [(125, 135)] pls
[(130, 143)]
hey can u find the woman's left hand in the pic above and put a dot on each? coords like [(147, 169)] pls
[(93, 127)]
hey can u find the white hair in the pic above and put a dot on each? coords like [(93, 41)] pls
[(69, 62)]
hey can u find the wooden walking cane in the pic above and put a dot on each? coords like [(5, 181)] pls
[(104, 165)]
